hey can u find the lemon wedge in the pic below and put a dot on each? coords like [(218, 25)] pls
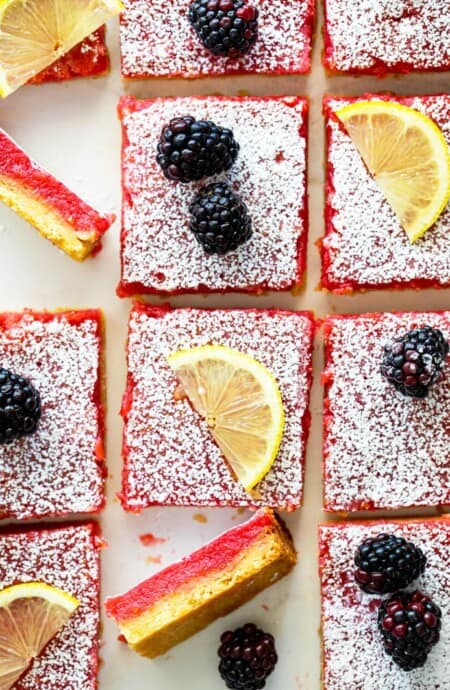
[(240, 400), (408, 157), (35, 33), (31, 614)]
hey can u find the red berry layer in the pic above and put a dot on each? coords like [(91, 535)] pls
[(89, 58)]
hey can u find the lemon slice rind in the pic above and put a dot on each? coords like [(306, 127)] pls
[(241, 402), (418, 187)]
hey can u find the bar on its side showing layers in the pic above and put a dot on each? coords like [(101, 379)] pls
[(185, 597), (45, 202)]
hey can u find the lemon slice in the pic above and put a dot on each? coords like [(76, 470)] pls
[(408, 157), (30, 616), (241, 402), (35, 33)]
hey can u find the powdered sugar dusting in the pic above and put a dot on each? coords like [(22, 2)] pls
[(365, 243), (382, 449), (393, 35), (157, 40), (353, 650), (54, 471), (171, 456), (67, 558), (158, 250)]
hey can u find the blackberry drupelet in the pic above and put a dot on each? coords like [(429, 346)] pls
[(414, 362), (20, 407), (191, 149), (219, 219), (387, 563), (409, 623), (225, 27), (247, 657)]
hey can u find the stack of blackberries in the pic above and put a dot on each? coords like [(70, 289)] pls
[(409, 622), (190, 150)]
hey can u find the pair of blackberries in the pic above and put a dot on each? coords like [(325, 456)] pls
[(414, 362), (247, 657), (409, 622), (20, 407), (190, 150), (225, 27)]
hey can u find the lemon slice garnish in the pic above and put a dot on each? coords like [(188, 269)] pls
[(35, 33), (31, 614), (240, 400), (408, 157)]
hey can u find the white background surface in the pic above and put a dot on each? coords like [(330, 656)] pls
[(73, 131)]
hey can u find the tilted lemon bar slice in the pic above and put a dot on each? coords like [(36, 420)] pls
[(59, 214), (185, 597)]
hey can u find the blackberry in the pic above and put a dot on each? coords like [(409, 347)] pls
[(225, 27), (20, 407), (247, 657), (219, 219), (414, 361), (409, 623), (191, 149), (386, 563)]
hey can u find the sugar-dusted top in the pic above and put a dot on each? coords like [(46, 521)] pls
[(58, 469), (387, 35), (353, 651), (65, 557), (365, 244), (157, 40), (158, 251), (171, 457), (382, 449)]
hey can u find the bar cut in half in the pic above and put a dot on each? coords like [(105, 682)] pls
[(184, 598)]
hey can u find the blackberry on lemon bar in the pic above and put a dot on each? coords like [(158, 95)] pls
[(410, 624), (386, 563), (190, 149), (219, 219), (225, 27), (414, 361), (20, 407)]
